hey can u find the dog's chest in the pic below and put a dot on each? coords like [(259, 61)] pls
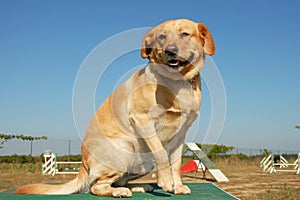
[(189, 100), (177, 112), (179, 100)]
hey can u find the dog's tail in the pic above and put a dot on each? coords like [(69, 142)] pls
[(77, 185)]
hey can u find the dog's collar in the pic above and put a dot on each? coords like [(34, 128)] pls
[(184, 83)]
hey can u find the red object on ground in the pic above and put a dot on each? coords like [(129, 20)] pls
[(189, 167)]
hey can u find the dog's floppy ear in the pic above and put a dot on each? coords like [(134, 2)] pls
[(209, 45), (147, 43)]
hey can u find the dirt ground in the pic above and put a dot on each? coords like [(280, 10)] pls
[(246, 180)]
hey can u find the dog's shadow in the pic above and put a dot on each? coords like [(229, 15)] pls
[(157, 191)]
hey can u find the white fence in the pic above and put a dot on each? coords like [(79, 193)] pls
[(269, 164), (52, 167)]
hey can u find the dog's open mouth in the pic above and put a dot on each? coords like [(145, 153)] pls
[(175, 61), (175, 64)]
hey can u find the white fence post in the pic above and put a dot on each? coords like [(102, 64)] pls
[(49, 166), (283, 162), (298, 164)]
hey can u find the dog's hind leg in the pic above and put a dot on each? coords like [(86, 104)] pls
[(104, 184), (105, 189), (140, 188)]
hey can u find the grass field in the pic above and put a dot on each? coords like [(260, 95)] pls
[(247, 181)]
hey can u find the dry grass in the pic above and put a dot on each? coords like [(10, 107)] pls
[(247, 181), (13, 176)]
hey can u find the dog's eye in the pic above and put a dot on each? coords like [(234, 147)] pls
[(184, 35), (162, 37)]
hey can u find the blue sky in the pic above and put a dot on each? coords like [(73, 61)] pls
[(43, 44)]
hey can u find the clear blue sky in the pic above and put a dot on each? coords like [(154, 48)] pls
[(43, 44)]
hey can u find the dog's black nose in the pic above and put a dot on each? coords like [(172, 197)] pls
[(171, 50)]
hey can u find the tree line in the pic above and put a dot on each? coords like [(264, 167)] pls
[(6, 137), (23, 159)]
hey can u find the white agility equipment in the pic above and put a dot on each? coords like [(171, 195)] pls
[(283, 162), (268, 165), (201, 166), (266, 162), (209, 165), (50, 165)]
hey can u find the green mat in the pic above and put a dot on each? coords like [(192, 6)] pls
[(205, 191)]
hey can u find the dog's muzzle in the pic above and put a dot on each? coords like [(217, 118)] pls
[(172, 59)]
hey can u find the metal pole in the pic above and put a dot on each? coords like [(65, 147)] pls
[(69, 150), (31, 143)]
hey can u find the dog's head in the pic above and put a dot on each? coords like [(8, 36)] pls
[(179, 45)]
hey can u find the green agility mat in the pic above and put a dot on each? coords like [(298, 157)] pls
[(205, 191)]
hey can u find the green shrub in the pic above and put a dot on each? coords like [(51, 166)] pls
[(213, 151), (22, 159)]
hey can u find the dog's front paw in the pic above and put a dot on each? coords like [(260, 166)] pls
[(165, 180), (166, 185), (182, 189)]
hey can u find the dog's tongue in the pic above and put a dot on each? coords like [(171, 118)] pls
[(173, 63)]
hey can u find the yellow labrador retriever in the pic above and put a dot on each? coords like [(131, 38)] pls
[(142, 126)]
